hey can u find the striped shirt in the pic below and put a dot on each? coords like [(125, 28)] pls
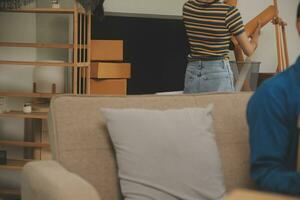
[(209, 27)]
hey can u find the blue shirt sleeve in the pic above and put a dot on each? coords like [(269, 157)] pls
[(270, 139)]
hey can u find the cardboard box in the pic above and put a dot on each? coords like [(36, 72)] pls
[(107, 50), (109, 86), (103, 70)]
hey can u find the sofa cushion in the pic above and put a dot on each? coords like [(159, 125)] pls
[(80, 141), (166, 155)]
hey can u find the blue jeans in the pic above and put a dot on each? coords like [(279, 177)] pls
[(208, 76)]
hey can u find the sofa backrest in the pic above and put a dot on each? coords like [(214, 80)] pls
[(80, 141)]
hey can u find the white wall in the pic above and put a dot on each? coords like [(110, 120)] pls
[(15, 28), (266, 53), (52, 28), (172, 8)]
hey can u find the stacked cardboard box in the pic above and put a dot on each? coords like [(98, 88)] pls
[(109, 73)]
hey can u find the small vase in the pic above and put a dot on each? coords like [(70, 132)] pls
[(55, 4), (27, 108)]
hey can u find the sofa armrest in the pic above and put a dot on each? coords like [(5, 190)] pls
[(48, 180)]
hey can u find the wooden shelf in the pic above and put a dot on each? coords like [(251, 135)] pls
[(14, 164), (27, 94), (9, 192), (41, 45), (40, 10), (41, 64), (19, 114), (24, 144), (8, 62), (37, 45)]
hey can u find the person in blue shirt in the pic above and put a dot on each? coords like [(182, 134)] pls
[(273, 116)]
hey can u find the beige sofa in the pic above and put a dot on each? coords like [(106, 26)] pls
[(84, 166)]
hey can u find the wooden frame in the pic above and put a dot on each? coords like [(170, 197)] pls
[(80, 46), (266, 16), (35, 143)]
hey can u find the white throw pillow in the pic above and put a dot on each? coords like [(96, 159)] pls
[(166, 155)]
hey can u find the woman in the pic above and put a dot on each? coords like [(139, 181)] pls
[(209, 25)]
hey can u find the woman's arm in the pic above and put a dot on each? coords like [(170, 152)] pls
[(249, 46), (235, 26)]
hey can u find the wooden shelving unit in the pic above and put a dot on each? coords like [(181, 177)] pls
[(36, 45), (24, 144), (80, 67), (81, 45), (19, 114), (27, 94), (14, 164), (36, 63), (40, 45), (9, 192)]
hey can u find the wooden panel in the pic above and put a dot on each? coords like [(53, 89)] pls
[(46, 152), (14, 164), (107, 50), (24, 144), (10, 62), (110, 70), (36, 45), (19, 114), (24, 94), (9, 192), (109, 86), (264, 76)]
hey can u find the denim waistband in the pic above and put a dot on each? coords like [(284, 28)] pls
[(210, 58)]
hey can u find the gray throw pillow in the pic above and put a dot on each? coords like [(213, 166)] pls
[(166, 155)]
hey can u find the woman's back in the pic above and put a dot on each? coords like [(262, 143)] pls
[(209, 27)]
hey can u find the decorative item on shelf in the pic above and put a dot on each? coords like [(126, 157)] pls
[(95, 6), (3, 158), (13, 4), (55, 4), (3, 104), (49, 79), (27, 108)]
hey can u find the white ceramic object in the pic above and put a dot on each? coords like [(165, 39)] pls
[(46, 76), (55, 4), (27, 108)]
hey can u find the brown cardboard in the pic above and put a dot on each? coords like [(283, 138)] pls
[(109, 86), (107, 50), (103, 70)]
